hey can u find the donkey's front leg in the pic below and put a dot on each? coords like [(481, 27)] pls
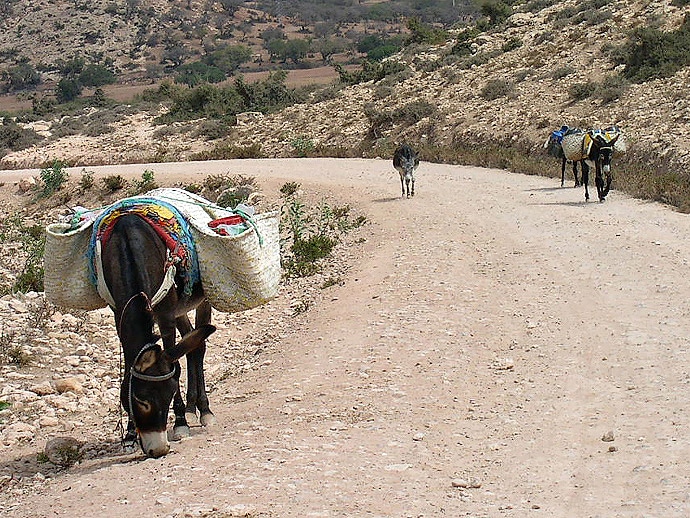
[(196, 395), (599, 180), (585, 178), (167, 327), (181, 426)]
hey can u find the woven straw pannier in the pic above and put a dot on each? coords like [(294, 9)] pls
[(573, 146), (67, 275), (238, 272)]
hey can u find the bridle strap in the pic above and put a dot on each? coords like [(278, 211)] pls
[(148, 377), (145, 377)]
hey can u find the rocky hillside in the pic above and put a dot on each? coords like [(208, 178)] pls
[(515, 83)]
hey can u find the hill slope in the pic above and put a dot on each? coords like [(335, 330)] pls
[(516, 85)]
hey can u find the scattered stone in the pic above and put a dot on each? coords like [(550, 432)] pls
[(48, 421), (504, 364), (27, 184), (43, 389), (466, 483), (68, 385), (608, 436), (17, 432)]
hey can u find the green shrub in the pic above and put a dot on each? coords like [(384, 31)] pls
[(209, 101), (496, 88), (581, 91), (68, 90), (462, 49), (224, 151), (289, 189), (303, 146), (370, 71), (309, 234), (98, 127), (86, 181), (608, 90), (67, 126), (15, 138), (147, 183), (96, 75), (562, 72), (495, 10), (113, 183), (511, 44), (612, 88), (31, 276), (196, 73), (20, 77), (214, 129), (651, 53), (54, 178), (422, 33), (408, 114), (228, 190), (308, 251)]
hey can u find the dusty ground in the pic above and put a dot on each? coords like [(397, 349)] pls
[(493, 330)]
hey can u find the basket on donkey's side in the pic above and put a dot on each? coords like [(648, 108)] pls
[(238, 272)]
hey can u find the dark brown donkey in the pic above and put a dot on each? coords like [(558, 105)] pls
[(135, 258)]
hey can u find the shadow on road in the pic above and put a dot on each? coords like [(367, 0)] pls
[(386, 200), (562, 203), (548, 189)]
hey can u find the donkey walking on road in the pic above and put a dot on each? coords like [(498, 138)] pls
[(406, 161)]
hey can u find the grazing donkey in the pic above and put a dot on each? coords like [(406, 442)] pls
[(147, 270), (405, 160)]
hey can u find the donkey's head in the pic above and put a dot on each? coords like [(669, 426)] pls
[(150, 386), (605, 142)]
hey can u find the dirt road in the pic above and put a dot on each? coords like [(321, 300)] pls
[(494, 332)]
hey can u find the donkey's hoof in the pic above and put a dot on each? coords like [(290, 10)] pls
[(129, 442), (129, 447), (191, 418), (180, 432), (208, 420)]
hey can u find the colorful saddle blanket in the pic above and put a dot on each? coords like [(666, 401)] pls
[(168, 223)]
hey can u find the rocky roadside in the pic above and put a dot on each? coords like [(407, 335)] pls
[(61, 370)]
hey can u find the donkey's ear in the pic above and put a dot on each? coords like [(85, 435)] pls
[(190, 342)]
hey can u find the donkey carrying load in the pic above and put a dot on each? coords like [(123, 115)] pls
[(153, 258), (555, 149), (597, 145)]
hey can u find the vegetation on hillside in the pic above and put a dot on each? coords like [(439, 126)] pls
[(198, 88)]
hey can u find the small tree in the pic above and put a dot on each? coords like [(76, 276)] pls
[(296, 50), (96, 75), (21, 77), (196, 73), (68, 90), (229, 58), (422, 33)]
